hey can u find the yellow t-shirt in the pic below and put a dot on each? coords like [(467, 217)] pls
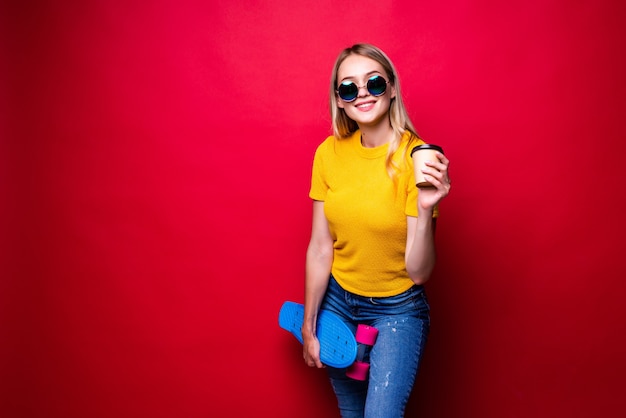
[(366, 213)]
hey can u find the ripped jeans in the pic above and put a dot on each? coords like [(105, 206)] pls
[(403, 323)]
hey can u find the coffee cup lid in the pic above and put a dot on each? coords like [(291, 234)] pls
[(427, 146)]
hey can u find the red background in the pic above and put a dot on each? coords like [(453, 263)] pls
[(155, 169)]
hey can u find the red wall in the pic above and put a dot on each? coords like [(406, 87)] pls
[(155, 171)]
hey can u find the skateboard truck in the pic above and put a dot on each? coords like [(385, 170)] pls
[(365, 337)]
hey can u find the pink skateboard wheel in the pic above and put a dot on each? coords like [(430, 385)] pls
[(366, 334), (358, 370)]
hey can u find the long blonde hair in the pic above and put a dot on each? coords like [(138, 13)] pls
[(399, 119)]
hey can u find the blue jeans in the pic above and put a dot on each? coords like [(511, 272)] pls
[(403, 322)]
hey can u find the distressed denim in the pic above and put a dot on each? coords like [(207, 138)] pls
[(403, 322)]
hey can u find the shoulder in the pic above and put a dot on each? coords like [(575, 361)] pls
[(332, 144), (408, 141), (411, 139), (327, 143), (325, 147)]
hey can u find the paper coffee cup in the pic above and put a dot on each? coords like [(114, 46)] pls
[(420, 154)]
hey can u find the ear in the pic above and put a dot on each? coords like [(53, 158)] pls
[(340, 103), (393, 91)]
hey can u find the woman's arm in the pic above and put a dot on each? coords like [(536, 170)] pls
[(319, 258), (420, 242), (420, 247)]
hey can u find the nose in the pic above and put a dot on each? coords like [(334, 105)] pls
[(363, 89)]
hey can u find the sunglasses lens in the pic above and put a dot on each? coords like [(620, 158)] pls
[(348, 91), (376, 85)]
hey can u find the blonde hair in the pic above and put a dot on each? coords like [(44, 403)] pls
[(399, 119)]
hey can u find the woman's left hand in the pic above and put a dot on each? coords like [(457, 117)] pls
[(436, 173)]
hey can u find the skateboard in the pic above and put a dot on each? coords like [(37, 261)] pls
[(339, 347)]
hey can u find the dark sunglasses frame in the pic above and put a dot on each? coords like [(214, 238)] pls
[(348, 91)]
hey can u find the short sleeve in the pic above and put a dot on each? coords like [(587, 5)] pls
[(411, 198), (319, 186)]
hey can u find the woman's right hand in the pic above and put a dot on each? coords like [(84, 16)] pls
[(311, 351)]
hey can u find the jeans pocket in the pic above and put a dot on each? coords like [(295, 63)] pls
[(422, 307)]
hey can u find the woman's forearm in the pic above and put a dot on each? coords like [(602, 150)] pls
[(420, 254), (318, 265)]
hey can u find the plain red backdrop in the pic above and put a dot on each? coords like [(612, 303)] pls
[(155, 166)]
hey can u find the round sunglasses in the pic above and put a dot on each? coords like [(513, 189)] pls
[(348, 91)]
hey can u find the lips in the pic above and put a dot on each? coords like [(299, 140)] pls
[(365, 106)]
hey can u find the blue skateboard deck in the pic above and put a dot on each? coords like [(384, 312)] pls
[(338, 347)]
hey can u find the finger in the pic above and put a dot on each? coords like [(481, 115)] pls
[(441, 170), (437, 165), (443, 158), (438, 181), (433, 173), (314, 362)]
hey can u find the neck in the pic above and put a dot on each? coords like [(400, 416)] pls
[(375, 136)]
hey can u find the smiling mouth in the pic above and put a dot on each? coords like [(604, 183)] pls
[(365, 105)]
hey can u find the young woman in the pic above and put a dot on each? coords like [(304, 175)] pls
[(372, 246)]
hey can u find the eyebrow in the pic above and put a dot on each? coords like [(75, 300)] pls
[(368, 75)]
